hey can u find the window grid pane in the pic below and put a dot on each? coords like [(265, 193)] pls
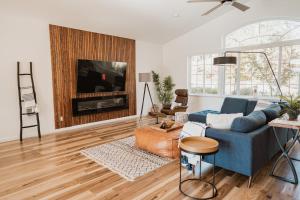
[(204, 76)]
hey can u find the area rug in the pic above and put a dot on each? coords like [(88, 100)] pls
[(123, 158)]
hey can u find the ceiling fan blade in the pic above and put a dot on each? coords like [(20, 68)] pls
[(213, 9), (240, 6), (200, 1)]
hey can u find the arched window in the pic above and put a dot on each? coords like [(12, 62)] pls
[(280, 39), (265, 32)]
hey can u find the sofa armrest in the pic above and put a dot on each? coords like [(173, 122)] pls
[(201, 116)]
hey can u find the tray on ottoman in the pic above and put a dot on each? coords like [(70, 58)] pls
[(174, 127)]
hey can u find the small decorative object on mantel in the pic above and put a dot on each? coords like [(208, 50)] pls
[(291, 107)]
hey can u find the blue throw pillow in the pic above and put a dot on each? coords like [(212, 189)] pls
[(249, 123), (272, 112)]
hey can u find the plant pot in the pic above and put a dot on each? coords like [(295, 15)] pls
[(166, 106), (292, 115)]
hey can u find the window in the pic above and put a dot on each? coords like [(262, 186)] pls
[(254, 76), (204, 76), (265, 32), (279, 39)]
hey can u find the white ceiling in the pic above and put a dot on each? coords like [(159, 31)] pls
[(148, 20)]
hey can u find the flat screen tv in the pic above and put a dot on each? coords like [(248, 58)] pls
[(100, 76)]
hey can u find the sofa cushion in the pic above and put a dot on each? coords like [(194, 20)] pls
[(272, 112), (249, 123), (221, 121), (234, 105), (200, 116)]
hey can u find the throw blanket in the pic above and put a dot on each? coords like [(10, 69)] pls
[(28, 98), (192, 129)]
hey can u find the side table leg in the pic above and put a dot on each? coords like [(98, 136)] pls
[(214, 192), (284, 154), (180, 160)]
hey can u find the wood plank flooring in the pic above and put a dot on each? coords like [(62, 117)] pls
[(53, 168)]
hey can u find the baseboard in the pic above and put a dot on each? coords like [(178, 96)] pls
[(93, 124), (69, 129)]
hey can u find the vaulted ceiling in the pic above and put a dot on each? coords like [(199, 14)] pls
[(157, 21)]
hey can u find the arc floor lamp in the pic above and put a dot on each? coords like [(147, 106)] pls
[(232, 60), (145, 78)]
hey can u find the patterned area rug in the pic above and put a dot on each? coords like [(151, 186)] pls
[(123, 158)]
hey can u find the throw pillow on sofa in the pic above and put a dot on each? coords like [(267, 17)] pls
[(272, 112), (249, 123), (221, 121)]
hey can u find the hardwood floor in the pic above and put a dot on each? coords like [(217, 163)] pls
[(53, 168)]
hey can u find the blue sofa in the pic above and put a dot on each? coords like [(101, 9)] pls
[(250, 143), (230, 105)]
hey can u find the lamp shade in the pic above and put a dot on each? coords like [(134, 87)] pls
[(144, 77), (225, 60)]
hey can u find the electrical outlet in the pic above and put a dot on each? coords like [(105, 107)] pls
[(61, 118)]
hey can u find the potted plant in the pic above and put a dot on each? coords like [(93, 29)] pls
[(291, 106), (164, 89)]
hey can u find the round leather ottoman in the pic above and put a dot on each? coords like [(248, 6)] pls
[(157, 142)]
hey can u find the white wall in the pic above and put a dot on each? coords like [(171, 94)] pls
[(26, 39), (149, 57), (208, 39)]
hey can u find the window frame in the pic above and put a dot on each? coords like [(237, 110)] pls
[(221, 71), (189, 78)]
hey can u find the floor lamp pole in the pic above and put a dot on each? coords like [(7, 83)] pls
[(269, 64), (146, 87)]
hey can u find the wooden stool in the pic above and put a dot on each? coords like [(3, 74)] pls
[(199, 146)]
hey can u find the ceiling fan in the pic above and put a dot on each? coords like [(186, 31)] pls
[(233, 3)]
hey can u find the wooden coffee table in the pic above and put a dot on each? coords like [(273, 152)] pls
[(158, 142)]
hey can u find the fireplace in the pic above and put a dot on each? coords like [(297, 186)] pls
[(92, 105)]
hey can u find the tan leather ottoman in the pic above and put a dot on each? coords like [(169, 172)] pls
[(157, 142)]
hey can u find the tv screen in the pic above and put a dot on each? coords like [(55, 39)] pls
[(100, 76)]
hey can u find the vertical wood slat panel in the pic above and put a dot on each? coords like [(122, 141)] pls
[(68, 45)]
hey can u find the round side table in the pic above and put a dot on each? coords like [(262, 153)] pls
[(200, 146)]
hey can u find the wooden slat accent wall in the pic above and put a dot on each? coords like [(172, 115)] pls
[(68, 45)]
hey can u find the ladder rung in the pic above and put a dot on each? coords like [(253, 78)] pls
[(26, 87), (31, 113), (24, 74), (29, 126)]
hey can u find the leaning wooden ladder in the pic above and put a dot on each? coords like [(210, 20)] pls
[(22, 100)]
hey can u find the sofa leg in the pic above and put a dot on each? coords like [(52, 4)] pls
[(250, 181)]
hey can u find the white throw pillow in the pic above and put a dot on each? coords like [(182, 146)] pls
[(174, 104), (221, 121)]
